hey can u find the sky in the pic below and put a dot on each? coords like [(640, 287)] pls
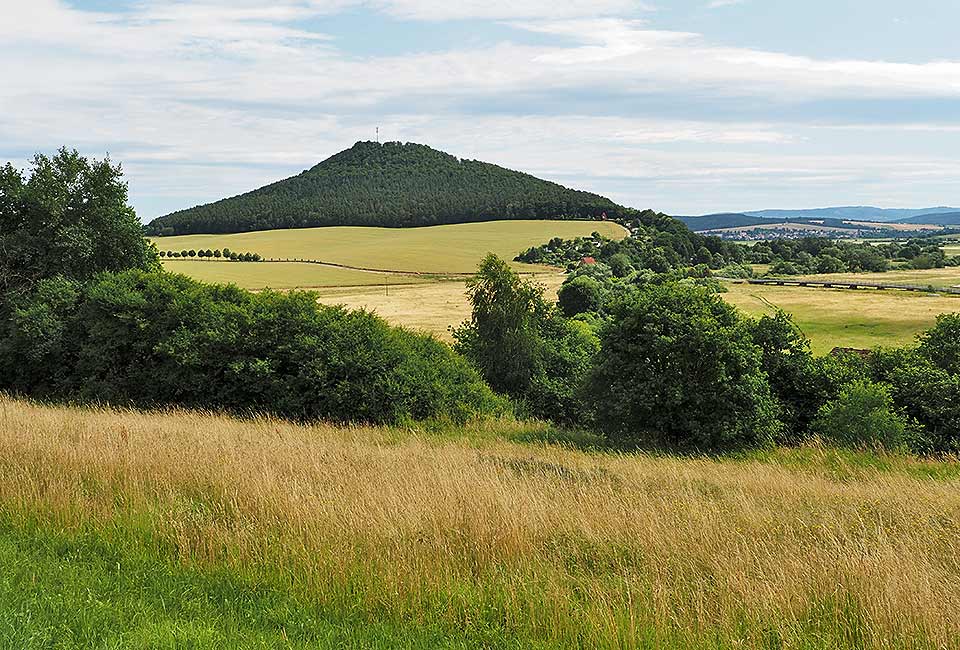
[(683, 106)]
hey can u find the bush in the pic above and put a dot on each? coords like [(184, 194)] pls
[(677, 368), (155, 339), (579, 295), (863, 417)]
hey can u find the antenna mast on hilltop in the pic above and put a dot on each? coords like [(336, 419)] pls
[(378, 135)]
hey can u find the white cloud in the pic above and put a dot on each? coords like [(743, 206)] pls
[(212, 98)]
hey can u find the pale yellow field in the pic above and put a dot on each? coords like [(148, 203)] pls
[(283, 275), (555, 547), (437, 249), (846, 318), (433, 308)]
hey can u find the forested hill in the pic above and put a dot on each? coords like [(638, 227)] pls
[(394, 185)]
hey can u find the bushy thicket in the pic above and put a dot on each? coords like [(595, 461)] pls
[(86, 314), (679, 368), (152, 339), (658, 244), (393, 185)]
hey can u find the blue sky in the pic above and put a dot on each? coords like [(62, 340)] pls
[(689, 106)]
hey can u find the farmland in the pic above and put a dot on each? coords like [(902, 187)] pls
[(177, 528), (845, 318), (436, 249), (284, 275)]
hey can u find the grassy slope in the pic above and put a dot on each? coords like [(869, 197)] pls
[(283, 275), (121, 529), (437, 249), (846, 318)]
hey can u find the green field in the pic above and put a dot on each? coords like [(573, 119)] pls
[(284, 275), (437, 249), (847, 318)]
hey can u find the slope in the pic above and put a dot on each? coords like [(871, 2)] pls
[(391, 185)]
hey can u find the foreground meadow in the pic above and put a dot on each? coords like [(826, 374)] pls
[(124, 529), (435, 249)]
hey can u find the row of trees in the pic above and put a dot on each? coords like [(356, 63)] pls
[(393, 185), (226, 254)]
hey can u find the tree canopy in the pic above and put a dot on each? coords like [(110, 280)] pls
[(69, 217)]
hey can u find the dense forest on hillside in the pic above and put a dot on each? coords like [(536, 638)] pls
[(392, 185)]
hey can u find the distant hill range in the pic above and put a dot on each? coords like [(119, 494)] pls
[(852, 213), (393, 185), (937, 218), (852, 218)]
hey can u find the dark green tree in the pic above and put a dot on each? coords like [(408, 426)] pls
[(678, 369), (67, 217)]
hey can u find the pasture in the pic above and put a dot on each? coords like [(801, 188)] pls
[(845, 318), (181, 529), (435, 249)]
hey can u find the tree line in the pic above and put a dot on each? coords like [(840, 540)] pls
[(225, 254)]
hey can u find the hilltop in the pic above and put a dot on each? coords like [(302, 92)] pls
[(393, 185)]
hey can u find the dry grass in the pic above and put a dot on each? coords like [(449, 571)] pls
[(433, 308), (556, 545)]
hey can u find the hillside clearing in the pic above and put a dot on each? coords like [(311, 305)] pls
[(146, 530), (435, 249), (945, 277)]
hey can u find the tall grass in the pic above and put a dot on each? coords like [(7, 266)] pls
[(497, 540)]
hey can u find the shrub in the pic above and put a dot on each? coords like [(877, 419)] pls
[(579, 295), (154, 339), (861, 417), (677, 368)]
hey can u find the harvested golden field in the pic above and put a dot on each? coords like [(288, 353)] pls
[(283, 275), (434, 307), (435, 249), (404, 538)]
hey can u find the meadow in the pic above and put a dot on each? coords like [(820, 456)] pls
[(435, 249), (181, 529), (945, 277), (847, 318)]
